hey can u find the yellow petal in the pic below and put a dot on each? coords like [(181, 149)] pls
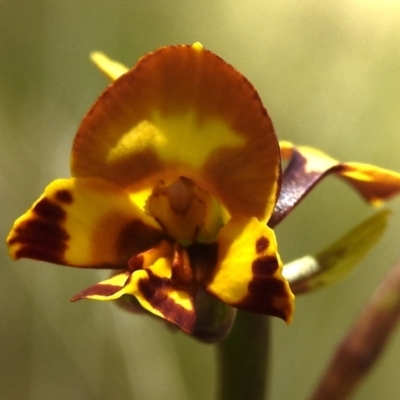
[(85, 222), (182, 111), (110, 68), (248, 271), (308, 166)]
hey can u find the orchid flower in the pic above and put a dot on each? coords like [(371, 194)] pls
[(176, 185)]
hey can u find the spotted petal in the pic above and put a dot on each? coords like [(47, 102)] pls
[(153, 286), (248, 270), (182, 111), (308, 166), (84, 222)]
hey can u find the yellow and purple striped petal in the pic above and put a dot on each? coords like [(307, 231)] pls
[(153, 286)]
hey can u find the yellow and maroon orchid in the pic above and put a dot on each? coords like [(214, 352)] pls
[(176, 184)]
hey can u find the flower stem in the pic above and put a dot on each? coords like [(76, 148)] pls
[(365, 342), (243, 359)]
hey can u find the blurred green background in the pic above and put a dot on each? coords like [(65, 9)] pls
[(329, 74)]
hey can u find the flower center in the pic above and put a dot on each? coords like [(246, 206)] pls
[(180, 195), (186, 212)]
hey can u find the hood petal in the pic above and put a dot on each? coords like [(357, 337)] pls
[(182, 111)]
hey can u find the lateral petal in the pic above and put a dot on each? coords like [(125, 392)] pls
[(248, 270), (153, 288), (83, 222), (308, 166), (182, 111), (109, 289)]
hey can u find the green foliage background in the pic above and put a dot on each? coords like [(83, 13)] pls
[(329, 75)]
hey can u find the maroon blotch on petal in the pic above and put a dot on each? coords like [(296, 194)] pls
[(262, 244), (262, 297), (137, 237), (49, 211), (264, 266), (41, 239), (155, 291), (64, 196)]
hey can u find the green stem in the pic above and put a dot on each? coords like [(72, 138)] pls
[(243, 359)]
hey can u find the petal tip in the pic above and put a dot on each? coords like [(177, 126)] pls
[(112, 69), (197, 46)]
